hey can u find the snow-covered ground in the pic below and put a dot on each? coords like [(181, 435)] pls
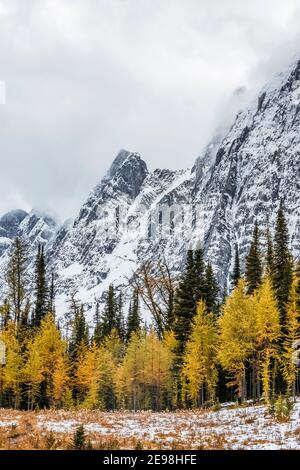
[(248, 427)]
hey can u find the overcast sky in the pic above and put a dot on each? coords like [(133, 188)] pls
[(85, 78)]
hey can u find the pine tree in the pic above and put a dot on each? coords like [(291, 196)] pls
[(199, 372), (41, 290), (16, 279), (185, 303), (211, 289), (253, 262), (282, 272), (133, 319), (236, 273)]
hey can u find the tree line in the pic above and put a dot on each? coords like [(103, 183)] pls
[(200, 348)]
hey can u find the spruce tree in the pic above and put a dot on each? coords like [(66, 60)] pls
[(282, 271), (41, 290), (51, 303), (133, 319), (79, 441), (185, 303), (269, 254), (253, 262), (199, 281), (120, 322), (80, 333), (236, 273), (109, 317), (98, 325), (211, 290), (16, 279)]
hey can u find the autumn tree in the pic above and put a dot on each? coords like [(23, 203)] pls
[(291, 342), (237, 337), (267, 333), (199, 372), (156, 287), (46, 367), (11, 374)]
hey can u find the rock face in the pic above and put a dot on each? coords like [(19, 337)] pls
[(134, 214)]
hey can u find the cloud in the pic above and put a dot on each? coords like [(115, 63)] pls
[(85, 78)]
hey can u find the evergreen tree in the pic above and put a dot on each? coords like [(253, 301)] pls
[(79, 439), (133, 319), (41, 290), (282, 272), (16, 279), (236, 273), (120, 322), (253, 262), (109, 317), (269, 254), (211, 290), (199, 272), (97, 338), (185, 303), (80, 333), (51, 304)]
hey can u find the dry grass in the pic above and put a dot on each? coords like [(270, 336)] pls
[(182, 430)]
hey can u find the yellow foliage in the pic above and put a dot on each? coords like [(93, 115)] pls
[(199, 372)]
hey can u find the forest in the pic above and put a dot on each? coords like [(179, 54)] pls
[(202, 347)]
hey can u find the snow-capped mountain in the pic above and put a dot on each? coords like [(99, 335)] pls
[(33, 228), (134, 215)]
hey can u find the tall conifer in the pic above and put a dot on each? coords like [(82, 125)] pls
[(253, 262), (133, 319), (283, 271), (236, 273)]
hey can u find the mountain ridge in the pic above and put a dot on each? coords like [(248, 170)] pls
[(239, 177)]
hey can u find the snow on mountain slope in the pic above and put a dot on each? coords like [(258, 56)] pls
[(257, 164), (134, 215)]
